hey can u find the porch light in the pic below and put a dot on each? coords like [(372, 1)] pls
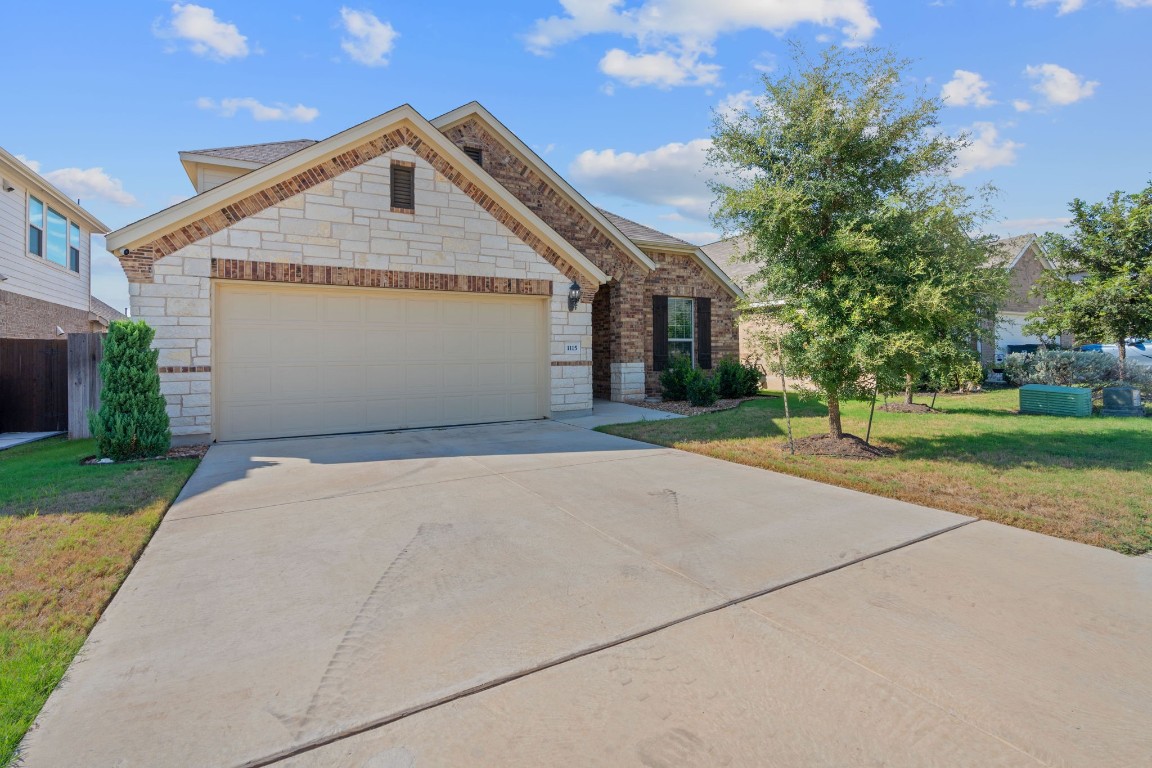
[(574, 292)]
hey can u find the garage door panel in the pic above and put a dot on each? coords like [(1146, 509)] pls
[(300, 360)]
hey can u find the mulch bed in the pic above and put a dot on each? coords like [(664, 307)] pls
[(684, 408), (906, 408), (849, 447), (176, 452)]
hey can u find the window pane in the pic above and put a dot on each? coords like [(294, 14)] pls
[(74, 259), (35, 213), (57, 238), (74, 235), (680, 348), (679, 319), (35, 241)]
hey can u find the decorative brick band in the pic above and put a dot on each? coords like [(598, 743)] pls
[(574, 363), (138, 262), (184, 369), (311, 274)]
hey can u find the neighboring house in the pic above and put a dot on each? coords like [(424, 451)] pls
[(406, 273), (45, 278), (1022, 256)]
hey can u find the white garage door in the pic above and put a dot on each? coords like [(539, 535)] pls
[(300, 360)]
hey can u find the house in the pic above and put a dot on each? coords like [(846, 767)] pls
[(406, 273), (45, 277), (1022, 256)]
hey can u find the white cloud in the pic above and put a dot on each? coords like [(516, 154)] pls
[(259, 111), (673, 35), (205, 34), (1058, 85), (369, 40), (1021, 105), (84, 183), (987, 150), (735, 103), (673, 175), (662, 69), (966, 89), (1062, 6)]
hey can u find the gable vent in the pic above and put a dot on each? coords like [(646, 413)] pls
[(476, 154), (404, 187)]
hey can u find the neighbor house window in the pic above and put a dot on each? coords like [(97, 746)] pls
[(403, 188), (74, 247), (35, 227), (680, 327), (57, 238)]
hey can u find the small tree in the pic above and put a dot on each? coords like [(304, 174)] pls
[(1100, 289), (132, 422), (839, 179)]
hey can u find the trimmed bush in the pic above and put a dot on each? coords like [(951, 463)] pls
[(701, 389), (132, 422), (674, 378), (1067, 368), (735, 379)]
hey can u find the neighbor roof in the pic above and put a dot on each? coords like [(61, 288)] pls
[(1007, 251), (106, 312), (638, 233), (255, 153), (726, 252)]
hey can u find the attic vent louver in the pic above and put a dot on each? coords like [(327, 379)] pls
[(476, 154), (404, 187)]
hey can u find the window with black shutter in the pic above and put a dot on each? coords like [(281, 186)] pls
[(659, 333), (476, 154), (404, 187)]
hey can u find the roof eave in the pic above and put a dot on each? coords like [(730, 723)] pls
[(475, 109), (29, 176), (147, 229)]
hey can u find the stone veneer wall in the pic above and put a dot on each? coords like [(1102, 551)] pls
[(342, 223), (25, 317)]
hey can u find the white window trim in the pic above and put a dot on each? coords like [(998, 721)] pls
[(691, 339)]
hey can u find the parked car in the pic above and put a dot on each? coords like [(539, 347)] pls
[(1138, 351)]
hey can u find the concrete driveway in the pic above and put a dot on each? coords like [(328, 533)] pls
[(539, 594)]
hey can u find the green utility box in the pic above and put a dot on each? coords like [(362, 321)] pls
[(1045, 400)]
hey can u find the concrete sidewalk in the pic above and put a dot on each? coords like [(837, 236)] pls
[(529, 594), (605, 412)]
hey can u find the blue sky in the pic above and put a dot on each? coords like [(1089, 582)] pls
[(616, 95)]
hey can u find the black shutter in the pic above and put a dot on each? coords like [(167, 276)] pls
[(659, 333), (704, 333), (403, 187)]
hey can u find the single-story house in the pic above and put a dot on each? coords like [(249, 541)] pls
[(1022, 256), (45, 264), (407, 273)]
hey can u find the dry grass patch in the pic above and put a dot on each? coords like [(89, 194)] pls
[(1088, 480)]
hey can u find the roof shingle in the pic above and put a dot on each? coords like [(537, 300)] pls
[(640, 233), (257, 153)]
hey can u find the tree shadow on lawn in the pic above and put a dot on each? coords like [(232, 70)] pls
[(1121, 450)]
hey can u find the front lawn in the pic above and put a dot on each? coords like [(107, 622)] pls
[(1089, 480), (69, 534)]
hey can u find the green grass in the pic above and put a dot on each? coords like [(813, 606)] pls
[(1088, 480), (69, 534)]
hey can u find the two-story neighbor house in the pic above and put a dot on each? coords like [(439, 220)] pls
[(45, 278), (407, 273)]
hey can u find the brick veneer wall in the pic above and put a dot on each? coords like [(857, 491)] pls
[(342, 231), (24, 317), (680, 275), (1022, 277)]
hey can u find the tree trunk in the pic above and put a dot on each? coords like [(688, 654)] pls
[(908, 389), (834, 428), (1122, 351)]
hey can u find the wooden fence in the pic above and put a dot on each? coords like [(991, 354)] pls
[(85, 351), (33, 385)]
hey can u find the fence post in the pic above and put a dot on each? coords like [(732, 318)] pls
[(85, 350)]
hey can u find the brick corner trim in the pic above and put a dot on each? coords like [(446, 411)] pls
[(311, 274), (184, 369)]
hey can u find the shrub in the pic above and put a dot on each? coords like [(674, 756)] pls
[(735, 379), (701, 389), (132, 422), (674, 379), (1067, 368)]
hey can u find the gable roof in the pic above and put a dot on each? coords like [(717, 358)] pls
[(12, 166), (1008, 251), (533, 160), (403, 117), (726, 252), (105, 311), (638, 233), (255, 153)]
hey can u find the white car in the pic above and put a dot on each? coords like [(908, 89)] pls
[(1137, 351)]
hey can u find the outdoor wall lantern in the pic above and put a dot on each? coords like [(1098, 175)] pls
[(573, 296)]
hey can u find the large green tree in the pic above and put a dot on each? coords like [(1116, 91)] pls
[(839, 178), (1100, 289)]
